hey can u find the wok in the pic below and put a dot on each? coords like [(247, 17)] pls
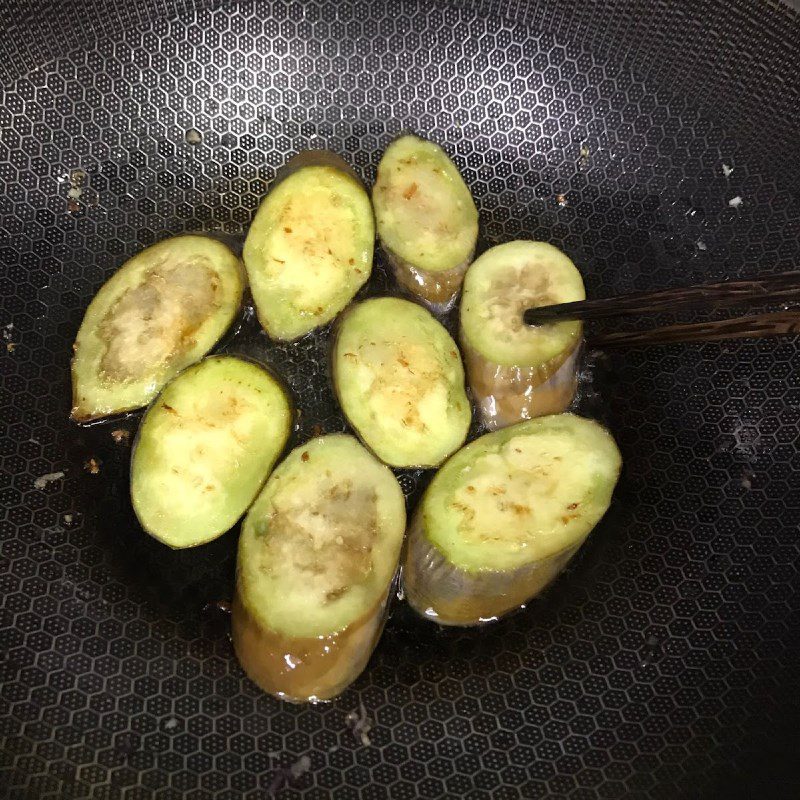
[(663, 664)]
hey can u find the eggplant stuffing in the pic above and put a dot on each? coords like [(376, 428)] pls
[(518, 371), (164, 309), (205, 448), (310, 246), (317, 557), (400, 382), (504, 516), (427, 220)]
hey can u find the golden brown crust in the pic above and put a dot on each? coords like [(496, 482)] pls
[(437, 289), (448, 595), (507, 395), (304, 669)]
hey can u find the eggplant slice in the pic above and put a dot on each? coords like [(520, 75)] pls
[(205, 448), (317, 558), (504, 516), (518, 371), (163, 310), (427, 220), (400, 382), (310, 246)]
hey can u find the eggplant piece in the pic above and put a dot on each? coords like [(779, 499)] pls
[(205, 448), (504, 516), (427, 220), (317, 558), (161, 311), (400, 382), (310, 246), (518, 371)]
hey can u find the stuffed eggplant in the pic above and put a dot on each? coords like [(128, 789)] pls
[(427, 220), (400, 382), (164, 309), (317, 558), (310, 246), (205, 448), (518, 371), (504, 516)]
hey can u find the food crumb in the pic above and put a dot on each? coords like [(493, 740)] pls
[(43, 480), (747, 479), (735, 202), (193, 136), (300, 767), (561, 199), (92, 466), (359, 722), (171, 724), (77, 178), (7, 330), (11, 347), (120, 435), (701, 245), (317, 430), (726, 170), (68, 519)]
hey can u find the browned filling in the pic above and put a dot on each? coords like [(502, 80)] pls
[(150, 324), (329, 542)]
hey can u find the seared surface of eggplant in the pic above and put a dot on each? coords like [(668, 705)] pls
[(162, 310), (310, 246), (426, 217), (400, 382), (505, 514), (317, 556), (518, 371), (205, 448)]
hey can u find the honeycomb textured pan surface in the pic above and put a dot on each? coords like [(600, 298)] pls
[(663, 664)]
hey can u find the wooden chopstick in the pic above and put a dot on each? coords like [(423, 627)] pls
[(755, 326), (769, 289)]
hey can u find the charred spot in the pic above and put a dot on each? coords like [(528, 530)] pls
[(305, 456), (335, 594), (410, 191)]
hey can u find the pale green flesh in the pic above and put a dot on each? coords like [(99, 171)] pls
[(501, 284), (522, 494), (309, 250), (205, 447), (400, 382), (322, 541), (424, 211), (164, 309)]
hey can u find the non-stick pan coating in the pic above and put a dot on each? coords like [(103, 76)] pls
[(664, 664)]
